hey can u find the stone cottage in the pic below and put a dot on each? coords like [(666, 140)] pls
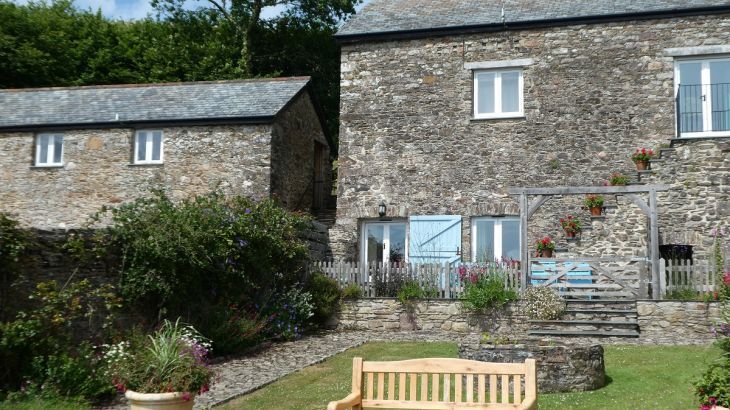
[(65, 152), (445, 105)]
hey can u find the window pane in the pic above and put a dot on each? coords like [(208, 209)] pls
[(510, 92), (397, 243), (374, 246), (720, 91), (141, 146), (485, 93), (511, 239), (156, 145), (485, 241), (57, 148), (43, 142), (690, 97)]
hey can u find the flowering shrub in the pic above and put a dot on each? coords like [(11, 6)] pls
[(593, 201), (545, 244), (642, 154), (289, 314), (617, 179), (173, 359), (570, 224), (326, 296), (542, 303), (234, 329), (484, 287)]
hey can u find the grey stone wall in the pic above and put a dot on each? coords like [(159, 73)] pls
[(660, 322), (294, 135), (97, 170), (672, 322), (560, 368), (592, 95)]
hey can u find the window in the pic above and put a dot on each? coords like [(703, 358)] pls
[(148, 147), (384, 242), (495, 238), (498, 94), (702, 89), (49, 150)]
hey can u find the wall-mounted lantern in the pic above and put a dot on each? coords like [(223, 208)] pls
[(382, 209)]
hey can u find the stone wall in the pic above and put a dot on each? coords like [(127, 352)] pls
[(98, 170), (672, 322), (660, 322), (294, 137), (592, 95), (560, 368)]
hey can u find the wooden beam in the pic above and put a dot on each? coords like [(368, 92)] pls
[(654, 245), (640, 203), (536, 204), (577, 190), (524, 246)]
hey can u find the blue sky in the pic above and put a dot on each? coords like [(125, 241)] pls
[(135, 9)]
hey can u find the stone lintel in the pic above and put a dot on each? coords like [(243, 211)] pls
[(485, 65), (697, 51)]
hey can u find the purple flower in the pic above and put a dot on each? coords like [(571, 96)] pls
[(247, 211)]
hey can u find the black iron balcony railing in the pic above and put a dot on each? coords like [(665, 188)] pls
[(703, 108)]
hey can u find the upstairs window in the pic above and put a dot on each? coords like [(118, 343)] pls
[(49, 150), (703, 97), (148, 147), (498, 94)]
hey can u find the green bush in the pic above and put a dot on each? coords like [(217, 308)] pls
[(326, 296), (682, 294), (181, 258), (411, 290), (288, 314), (486, 292), (14, 243), (233, 329), (352, 292), (41, 347), (714, 385)]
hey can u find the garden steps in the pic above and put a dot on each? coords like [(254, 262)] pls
[(591, 318)]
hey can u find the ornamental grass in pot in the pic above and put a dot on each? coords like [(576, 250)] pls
[(163, 371)]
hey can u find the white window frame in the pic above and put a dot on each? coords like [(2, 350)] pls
[(51, 150), (148, 149), (497, 238), (498, 113), (707, 104), (386, 239)]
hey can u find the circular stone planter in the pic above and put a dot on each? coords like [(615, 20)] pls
[(560, 367), (159, 401)]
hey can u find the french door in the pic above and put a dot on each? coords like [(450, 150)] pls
[(384, 242), (702, 90)]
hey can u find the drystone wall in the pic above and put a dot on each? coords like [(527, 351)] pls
[(592, 95), (660, 322), (98, 171)]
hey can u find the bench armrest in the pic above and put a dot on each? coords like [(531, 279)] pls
[(529, 404), (353, 399)]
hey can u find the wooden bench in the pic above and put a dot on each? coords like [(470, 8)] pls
[(441, 384)]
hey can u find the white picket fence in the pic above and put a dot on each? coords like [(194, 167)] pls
[(376, 279), (699, 277)]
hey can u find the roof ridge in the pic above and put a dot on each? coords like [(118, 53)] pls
[(149, 85)]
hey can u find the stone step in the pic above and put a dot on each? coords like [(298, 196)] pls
[(598, 294), (601, 304), (572, 323), (572, 333), (569, 285), (606, 317)]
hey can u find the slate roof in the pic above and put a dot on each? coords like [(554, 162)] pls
[(389, 16), (245, 100)]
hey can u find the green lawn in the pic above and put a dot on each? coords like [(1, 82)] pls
[(641, 377), (43, 404)]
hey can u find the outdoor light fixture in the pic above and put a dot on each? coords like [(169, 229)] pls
[(382, 209)]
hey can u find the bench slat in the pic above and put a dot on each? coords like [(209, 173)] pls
[(505, 388), (447, 387), (424, 387), (493, 388), (470, 388), (435, 387), (516, 389), (414, 387), (427, 405), (458, 380), (481, 385), (401, 386), (371, 385), (444, 366), (391, 386)]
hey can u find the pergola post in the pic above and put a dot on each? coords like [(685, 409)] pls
[(524, 248), (654, 245)]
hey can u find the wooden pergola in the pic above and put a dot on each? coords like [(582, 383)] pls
[(529, 206)]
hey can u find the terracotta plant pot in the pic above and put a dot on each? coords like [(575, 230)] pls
[(546, 253), (159, 401), (570, 234), (596, 210), (642, 165)]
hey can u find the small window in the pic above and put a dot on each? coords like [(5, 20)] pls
[(498, 94), (148, 147), (495, 238), (49, 150)]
